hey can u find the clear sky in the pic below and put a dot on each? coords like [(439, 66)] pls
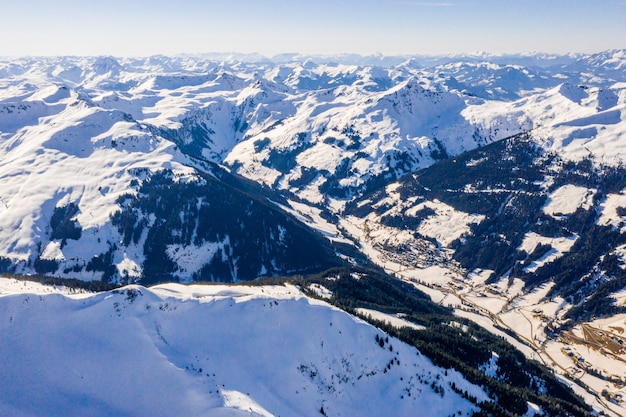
[(269, 27)]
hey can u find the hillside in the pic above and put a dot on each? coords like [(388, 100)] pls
[(267, 349), (204, 350)]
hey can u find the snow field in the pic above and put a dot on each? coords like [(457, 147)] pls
[(393, 320), (567, 199), (206, 350)]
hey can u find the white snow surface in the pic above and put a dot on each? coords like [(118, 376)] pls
[(79, 130), (57, 147), (491, 368), (445, 224), (559, 246), (191, 258), (576, 122), (567, 199), (609, 214), (394, 320), (212, 350)]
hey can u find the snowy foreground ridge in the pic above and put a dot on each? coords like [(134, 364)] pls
[(174, 350)]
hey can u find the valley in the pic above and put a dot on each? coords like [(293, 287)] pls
[(526, 320)]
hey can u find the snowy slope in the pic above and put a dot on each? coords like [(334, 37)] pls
[(339, 138), (206, 350), (574, 121), (79, 154)]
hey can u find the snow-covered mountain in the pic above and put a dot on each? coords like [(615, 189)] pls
[(74, 168), (176, 350), (80, 135)]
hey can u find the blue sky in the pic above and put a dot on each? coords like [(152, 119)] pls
[(269, 27)]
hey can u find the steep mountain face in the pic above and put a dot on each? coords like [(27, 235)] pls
[(339, 139), (267, 349), (208, 230), (543, 206), (84, 140)]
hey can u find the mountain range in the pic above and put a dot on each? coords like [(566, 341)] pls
[(492, 183)]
